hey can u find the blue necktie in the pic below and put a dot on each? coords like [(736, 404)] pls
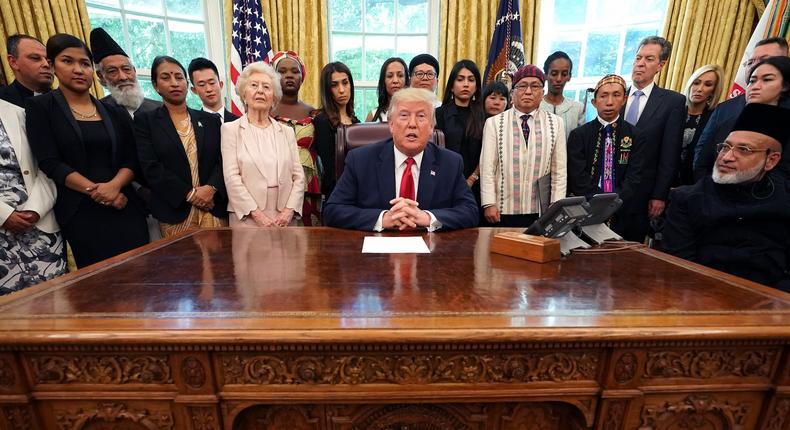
[(525, 128), (632, 116)]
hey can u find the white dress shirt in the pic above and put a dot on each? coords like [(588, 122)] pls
[(220, 112), (400, 167), (642, 100), (604, 123)]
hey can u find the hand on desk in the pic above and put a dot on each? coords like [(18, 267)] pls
[(405, 214)]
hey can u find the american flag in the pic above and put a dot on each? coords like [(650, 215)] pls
[(251, 43)]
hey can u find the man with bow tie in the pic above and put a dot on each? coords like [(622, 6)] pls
[(405, 182)]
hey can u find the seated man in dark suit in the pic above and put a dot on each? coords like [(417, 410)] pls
[(32, 73), (404, 182), (117, 73), (606, 156), (737, 220)]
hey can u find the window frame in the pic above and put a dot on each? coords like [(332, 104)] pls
[(212, 23), (581, 33), (432, 36)]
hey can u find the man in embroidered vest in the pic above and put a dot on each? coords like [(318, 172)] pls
[(523, 162), (606, 156), (405, 182), (737, 220)]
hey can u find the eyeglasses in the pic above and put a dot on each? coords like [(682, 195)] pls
[(739, 150), (522, 88), (424, 75)]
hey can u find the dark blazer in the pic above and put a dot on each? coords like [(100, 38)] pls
[(147, 106), (661, 123), (368, 184), (686, 170), (166, 168), (229, 116), (629, 161), (453, 121), (56, 140), (16, 93), (324, 144)]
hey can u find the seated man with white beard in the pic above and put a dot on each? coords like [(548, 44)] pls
[(117, 73), (738, 219)]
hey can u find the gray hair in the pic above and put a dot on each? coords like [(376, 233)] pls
[(666, 46), (260, 67), (714, 100), (413, 95)]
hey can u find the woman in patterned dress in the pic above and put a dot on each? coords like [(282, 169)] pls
[(299, 116), (179, 151), (31, 247)]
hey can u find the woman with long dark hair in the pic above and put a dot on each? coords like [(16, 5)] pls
[(337, 107), (179, 150), (461, 117), (393, 76), (87, 148)]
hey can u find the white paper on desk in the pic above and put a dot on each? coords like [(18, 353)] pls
[(394, 245)]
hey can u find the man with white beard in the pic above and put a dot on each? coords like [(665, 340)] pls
[(737, 220), (117, 73)]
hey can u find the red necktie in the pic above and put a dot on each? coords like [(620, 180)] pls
[(407, 181)]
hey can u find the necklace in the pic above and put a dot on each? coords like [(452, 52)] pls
[(82, 115), (186, 125)]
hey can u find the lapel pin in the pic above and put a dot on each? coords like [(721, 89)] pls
[(433, 173), (200, 124)]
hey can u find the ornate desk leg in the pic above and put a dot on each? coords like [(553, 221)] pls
[(16, 412), (196, 401), (776, 416)]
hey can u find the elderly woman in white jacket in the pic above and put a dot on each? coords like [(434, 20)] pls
[(31, 247), (260, 159)]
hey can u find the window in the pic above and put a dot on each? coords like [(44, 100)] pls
[(600, 36), (147, 28), (364, 33)]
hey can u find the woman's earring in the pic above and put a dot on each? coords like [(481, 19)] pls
[(474, 97), (452, 96)]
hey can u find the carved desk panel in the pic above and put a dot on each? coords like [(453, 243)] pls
[(296, 329)]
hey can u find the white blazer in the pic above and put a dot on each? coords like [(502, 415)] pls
[(245, 177), (41, 191)]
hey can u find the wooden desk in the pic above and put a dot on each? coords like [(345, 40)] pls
[(295, 329)]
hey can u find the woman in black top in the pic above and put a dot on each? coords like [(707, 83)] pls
[(337, 107), (393, 77), (702, 93), (87, 148), (179, 150), (461, 117)]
